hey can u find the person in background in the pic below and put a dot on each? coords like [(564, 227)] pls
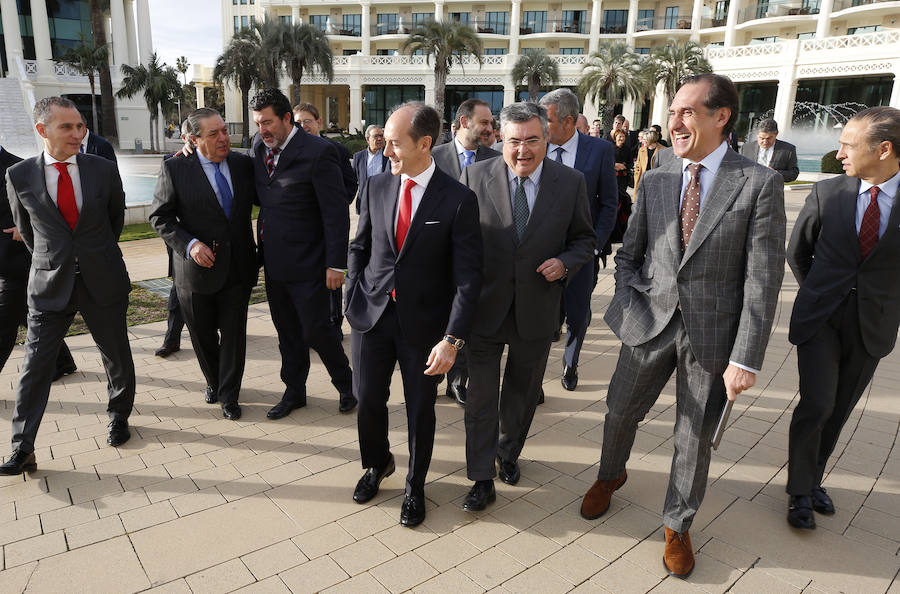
[(770, 152), (94, 144), (659, 133), (581, 124), (623, 161), (371, 160), (597, 128), (645, 155)]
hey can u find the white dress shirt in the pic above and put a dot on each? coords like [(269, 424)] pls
[(886, 194), (570, 151), (764, 157), (84, 141), (51, 175), (422, 180)]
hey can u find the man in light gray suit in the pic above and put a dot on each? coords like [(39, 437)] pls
[(470, 144), (69, 209), (697, 281), (537, 232), (773, 153)]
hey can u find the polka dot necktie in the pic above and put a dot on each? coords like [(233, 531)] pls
[(868, 229), (690, 205)]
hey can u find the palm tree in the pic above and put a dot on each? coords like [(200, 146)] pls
[(98, 9), (181, 65), (445, 42), (612, 73), (537, 70), (308, 50), (239, 63), (673, 62), (88, 59), (272, 38), (160, 85)]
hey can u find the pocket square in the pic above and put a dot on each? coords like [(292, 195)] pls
[(432, 222)]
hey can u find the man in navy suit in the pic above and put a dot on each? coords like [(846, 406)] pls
[(94, 144), (593, 157), (412, 287), (371, 160)]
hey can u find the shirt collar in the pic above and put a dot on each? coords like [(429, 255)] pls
[(205, 161), (889, 187), (84, 141), (284, 144), (371, 154), (711, 161), (423, 178), (535, 176), (460, 149), (48, 160), (569, 146)]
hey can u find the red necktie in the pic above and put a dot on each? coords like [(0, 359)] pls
[(65, 195), (405, 215), (868, 229)]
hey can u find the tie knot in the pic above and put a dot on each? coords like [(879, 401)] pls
[(522, 181), (409, 184), (694, 169), (873, 192), (216, 165), (560, 150), (61, 166), (275, 151)]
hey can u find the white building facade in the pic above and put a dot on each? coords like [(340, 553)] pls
[(786, 56)]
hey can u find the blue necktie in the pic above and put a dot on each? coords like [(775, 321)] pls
[(225, 195), (559, 151), (470, 158)]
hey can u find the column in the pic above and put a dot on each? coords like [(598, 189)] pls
[(784, 100), (590, 110), (131, 32), (429, 90), (659, 108), (43, 51), (366, 29), (356, 97), (515, 21), (145, 38), (439, 11), (295, 14), (509, 88), (201, 99), (628, 106), (734, 8), (596, 15), (823, 23), (895, 90), (120, 34), (632, 22), (12, 36), (695, 20)]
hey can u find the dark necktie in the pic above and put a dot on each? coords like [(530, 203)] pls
[(520, 207), (65, 195), (690, 205), (225, 195), (559, 152), (868, 229), (270, 160)]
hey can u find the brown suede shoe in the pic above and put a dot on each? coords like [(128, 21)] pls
[(679, 555), (596, 500)]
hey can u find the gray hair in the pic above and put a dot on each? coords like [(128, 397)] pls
[(194, 118), (369, 129), (185, 128), (768, 126), (42, 109), (565, 101), (523, 112)]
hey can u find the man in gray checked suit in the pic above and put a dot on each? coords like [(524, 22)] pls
[(537, 232), (697, 281)]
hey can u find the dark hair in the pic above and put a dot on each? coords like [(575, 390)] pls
[(722, 93), (466, 109), (882, 125), (307, 107), (425, 121), (42, 113), (273, 98), (658, 129), (194, 118), (619, 118), (595, 121)]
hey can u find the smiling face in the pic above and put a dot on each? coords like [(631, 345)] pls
[(524, 146), (272, 129), (478, 129), (63, 132), (407, 156), (695, 130), (213, 141)]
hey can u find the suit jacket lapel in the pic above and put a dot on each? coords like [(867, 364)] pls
[(543, 202), (389, 208), (849, 193), (668, 188), (724, 190), (38, 183), (430, 200), (497, 188), (287, 155), (582, 153)]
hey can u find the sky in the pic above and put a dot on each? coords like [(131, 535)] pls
[(190, 28)]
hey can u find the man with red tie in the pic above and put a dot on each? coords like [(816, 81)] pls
[(70, 209), (845, 254)]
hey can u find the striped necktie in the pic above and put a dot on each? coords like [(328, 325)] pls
[(270, 160)]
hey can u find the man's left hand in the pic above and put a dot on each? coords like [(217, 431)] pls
[(737, 380), (441, 359), (333, 279), (552, 269), (15, 233)]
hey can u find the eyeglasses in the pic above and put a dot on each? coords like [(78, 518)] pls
[(531, 143), (307, 122)]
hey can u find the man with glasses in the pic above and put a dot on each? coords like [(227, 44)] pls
[(371, 160)]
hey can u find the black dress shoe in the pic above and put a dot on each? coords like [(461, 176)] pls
[(457, 393), (211, 396), (118, 432), (347, 402), (166, 350), (19, 462), (481, 494), (412, 512), (541, 396), (821, 502), (569, 377), (800, 512), (509, 471), (557, 335), (231, 411), (65, 370), (367, 487), (284, 408)]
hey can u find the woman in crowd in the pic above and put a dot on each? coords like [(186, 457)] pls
[(644, 156)]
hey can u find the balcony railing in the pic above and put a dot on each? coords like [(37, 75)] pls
[(613, 29), (777, 8), (843, 4), (579, 27), (490, 27), (391, 29), (706, 23), (348, 30), (682, 21)]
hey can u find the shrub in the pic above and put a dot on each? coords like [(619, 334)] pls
[(830, 164)]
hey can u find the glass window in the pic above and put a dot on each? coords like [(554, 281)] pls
[(243, 1), (381, 99), (574, 21), (762, 7), (645, 19), (387, 23), (352, 25), (721, 13), (496, 22), (758, 40), (809, 35), (671, 17), (420, 18), (350, 52), (571, 51), (495, 51), (809, 7), (460, 17), (286, 19), (642, 50), (245, 22), (614, 21), (534, 21), (861, 30), (319, 21), (237, 24)]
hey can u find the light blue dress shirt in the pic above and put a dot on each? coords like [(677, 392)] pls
[(570, 151), (531, 187), (711, 163)]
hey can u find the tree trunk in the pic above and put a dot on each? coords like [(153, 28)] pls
[(295, 91), (608, 116), (245, 117), (93, 102), (533, 88), (109, 127), (151, 132), (440, 84)]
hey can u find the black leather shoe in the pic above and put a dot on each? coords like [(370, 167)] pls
[(800, 512), (557, 335), (457, 393), (118, 432), (166, 350), (347, 402), (821, 502), (231, 411), (284, 408), (412, 512), (65, 370), (481, 494), (509, 471), (569, 377), (19, 462), (541, 397), (367, 487), (211, 396)]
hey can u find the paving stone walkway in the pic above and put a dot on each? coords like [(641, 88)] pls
[(195, 503)]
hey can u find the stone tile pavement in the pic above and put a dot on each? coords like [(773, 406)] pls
[(195, 503)]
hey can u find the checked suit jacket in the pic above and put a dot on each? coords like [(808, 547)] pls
[(728, 279)]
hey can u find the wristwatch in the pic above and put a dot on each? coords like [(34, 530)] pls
[(457, 343)]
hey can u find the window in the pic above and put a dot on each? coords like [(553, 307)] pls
[(614, 21), (286, 19), (319, 21), (574, 21), (809, 7), (758, 40), (243, 1), (387, 23), (352, 25), (460, 17), (350, 52), (534, 21), (861, 30), (809, 35), (762, 7), (237, 24), (381, 99), (571, 51), (495, 51), (386, 52), (495, 22), (721, 15), (245, 22), (531, 50), (642, 50), (645, 19), (671, 17), (420, 18)]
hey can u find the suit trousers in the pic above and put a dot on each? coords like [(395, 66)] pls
[(218, 326), (577, 307), (640, 375), (336, 307), (175, 321), (300, 312), (834, 372), (498, 419), (458, 376), (375, 353), (13, 313), (46, 330)]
